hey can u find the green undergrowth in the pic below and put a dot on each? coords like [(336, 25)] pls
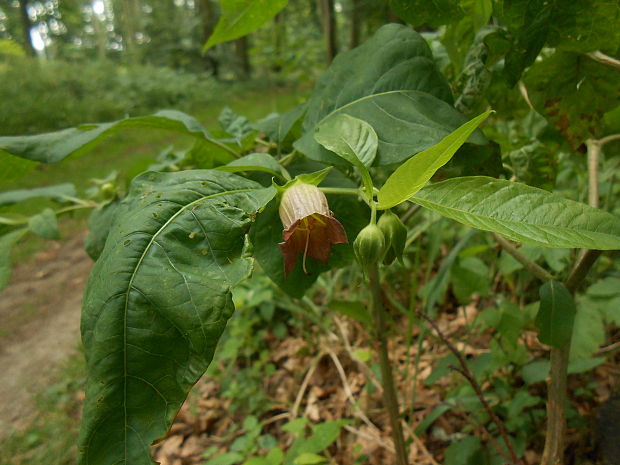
[(130, 153), (51, 436)]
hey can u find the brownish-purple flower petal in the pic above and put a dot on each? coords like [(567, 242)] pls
[(310, 228)]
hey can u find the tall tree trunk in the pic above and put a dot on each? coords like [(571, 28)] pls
[(241, 50), (100, 35), (26, 26), (208, 19), (279, 41), (354, 28), (329, 29), (129, 22)]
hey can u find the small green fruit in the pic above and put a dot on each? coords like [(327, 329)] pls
[(369, 246), (108, 190), (395, 233)]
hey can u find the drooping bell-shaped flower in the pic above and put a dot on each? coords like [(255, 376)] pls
[(309, 226)]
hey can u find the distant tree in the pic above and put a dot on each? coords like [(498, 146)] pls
[(26, 28), (354, 23), (329, 29)]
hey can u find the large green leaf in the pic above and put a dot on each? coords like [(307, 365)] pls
[(156, 303), (54, 146), (406, 122), (522, 213), (7, 241), (556, 314), (529, 39), (573, 92), (99, 224), (412, 175), (240, 17), (350, 138), (59, 192), (396, 88), (586, 26)]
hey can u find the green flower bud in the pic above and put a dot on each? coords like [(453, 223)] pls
[(395, 233), (369, 246)]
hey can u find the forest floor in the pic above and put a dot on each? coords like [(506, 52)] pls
[(40, 314), (322, 377)]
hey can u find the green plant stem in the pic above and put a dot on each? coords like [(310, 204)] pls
[(288, 158), (529, 265), (553, 453), (389, 391), (556, 398), (225, 147), (555, 439), (340, 190)]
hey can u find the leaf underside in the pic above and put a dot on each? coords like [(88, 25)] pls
[(157, 302), (53, 147), (240, 17), (522, 213)]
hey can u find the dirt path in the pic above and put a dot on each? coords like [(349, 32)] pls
[(39, 325)]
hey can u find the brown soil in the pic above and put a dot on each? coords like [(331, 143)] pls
[(40, 321)]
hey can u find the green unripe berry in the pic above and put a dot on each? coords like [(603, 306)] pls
[(395, 233), (369, 246), (108, 190)]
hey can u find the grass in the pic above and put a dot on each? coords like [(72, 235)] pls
[(51, 438)]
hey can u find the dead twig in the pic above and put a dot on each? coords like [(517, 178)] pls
[(370, 437), (304, 385), (429, 457), (466, 372), (367, 371), (347, 390)]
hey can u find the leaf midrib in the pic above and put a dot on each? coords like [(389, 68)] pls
[(130, 285), (563, 228), (367, 97)]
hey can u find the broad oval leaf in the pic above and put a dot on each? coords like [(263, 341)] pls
[(156, 303), (350, 138), (59, 192), (99, 224), (573, 92), (53, 147), (395, 61), (413, 174), (406, 122), (522, 213), (240, 17), (556, 314)]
